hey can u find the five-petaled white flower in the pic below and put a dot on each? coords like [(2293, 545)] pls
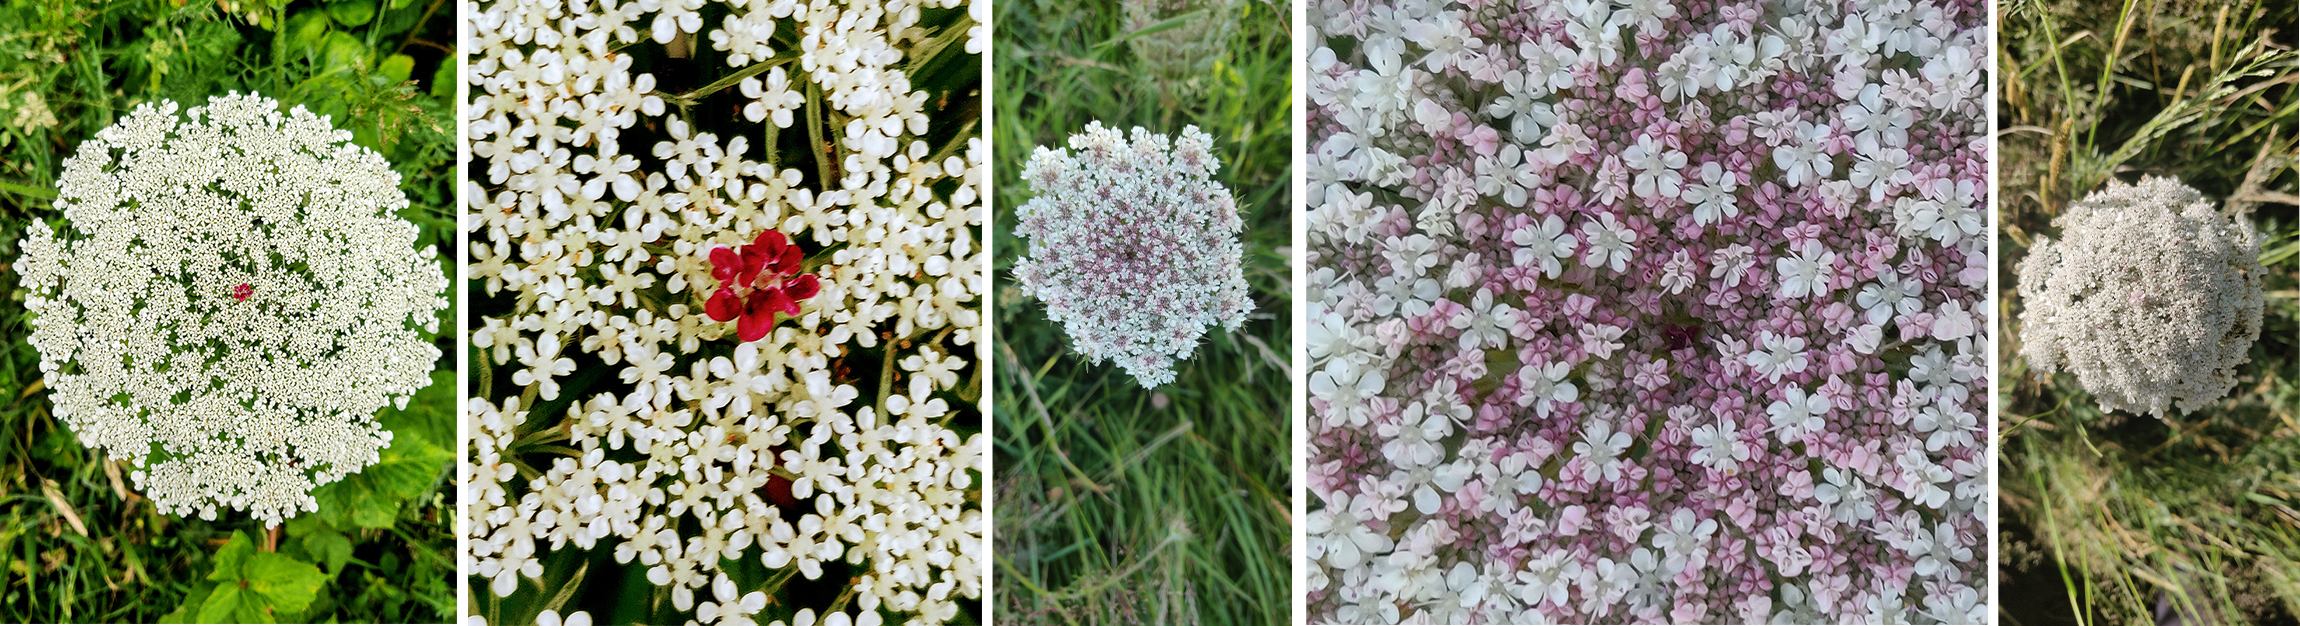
[(1610, 243), (1543, 243), (1809, 272)]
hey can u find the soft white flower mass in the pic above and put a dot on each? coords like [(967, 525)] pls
[(700, 446), (1133, 246), (2150, 297), (231, 299)]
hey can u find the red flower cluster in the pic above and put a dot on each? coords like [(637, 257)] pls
[(756, 282), (242, 292)]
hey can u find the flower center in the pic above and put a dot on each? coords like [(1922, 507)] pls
[(758, 281)]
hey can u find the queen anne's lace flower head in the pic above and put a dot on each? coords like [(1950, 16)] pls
[(1698, 285), (1133, 246), (231, 300), (785, 333), (2150, 297)]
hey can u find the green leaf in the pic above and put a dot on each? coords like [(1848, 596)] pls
[(351, 12), (289, 584), (233, 605), (188, 613), (330, 548), (443, 81), (258, 587), (397, 67), (232, 557), (345, 53), (305, 31)]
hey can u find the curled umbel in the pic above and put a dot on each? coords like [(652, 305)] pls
[(2151, 297)]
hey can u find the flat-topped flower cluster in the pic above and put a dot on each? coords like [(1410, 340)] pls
[(725, 294), (232, 297), (1133, 246), (1647, 311)]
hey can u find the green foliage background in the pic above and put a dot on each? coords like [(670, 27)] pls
[(76, 545), (1118, 504), (2117, 518)]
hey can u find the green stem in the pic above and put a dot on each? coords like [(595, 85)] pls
[(426, 19), (689, 98), (2108, 68), (1131, 568), (820, 150), (1034, 588), (885, 382), (2024, 422), (926, 51)]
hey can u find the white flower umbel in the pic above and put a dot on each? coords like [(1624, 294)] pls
[(2150, 297), (609, 215), (231, 299), (1133, 246)]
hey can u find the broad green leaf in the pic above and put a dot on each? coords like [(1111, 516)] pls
[(397, 67), (345, 53), (305, 32), (330, 548), (287, 583), (232, 558), (189, 612), (351, 12), (231, 604), (258, 587)]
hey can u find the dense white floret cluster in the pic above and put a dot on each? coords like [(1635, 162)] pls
[(1133, 246), (2150, 297), (1647, 311), (230, 301), (706, 444)]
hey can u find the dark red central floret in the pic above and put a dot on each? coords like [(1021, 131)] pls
[(757, 281), (242, 292)]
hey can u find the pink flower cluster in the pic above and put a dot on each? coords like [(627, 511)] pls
[(1646, 311)]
